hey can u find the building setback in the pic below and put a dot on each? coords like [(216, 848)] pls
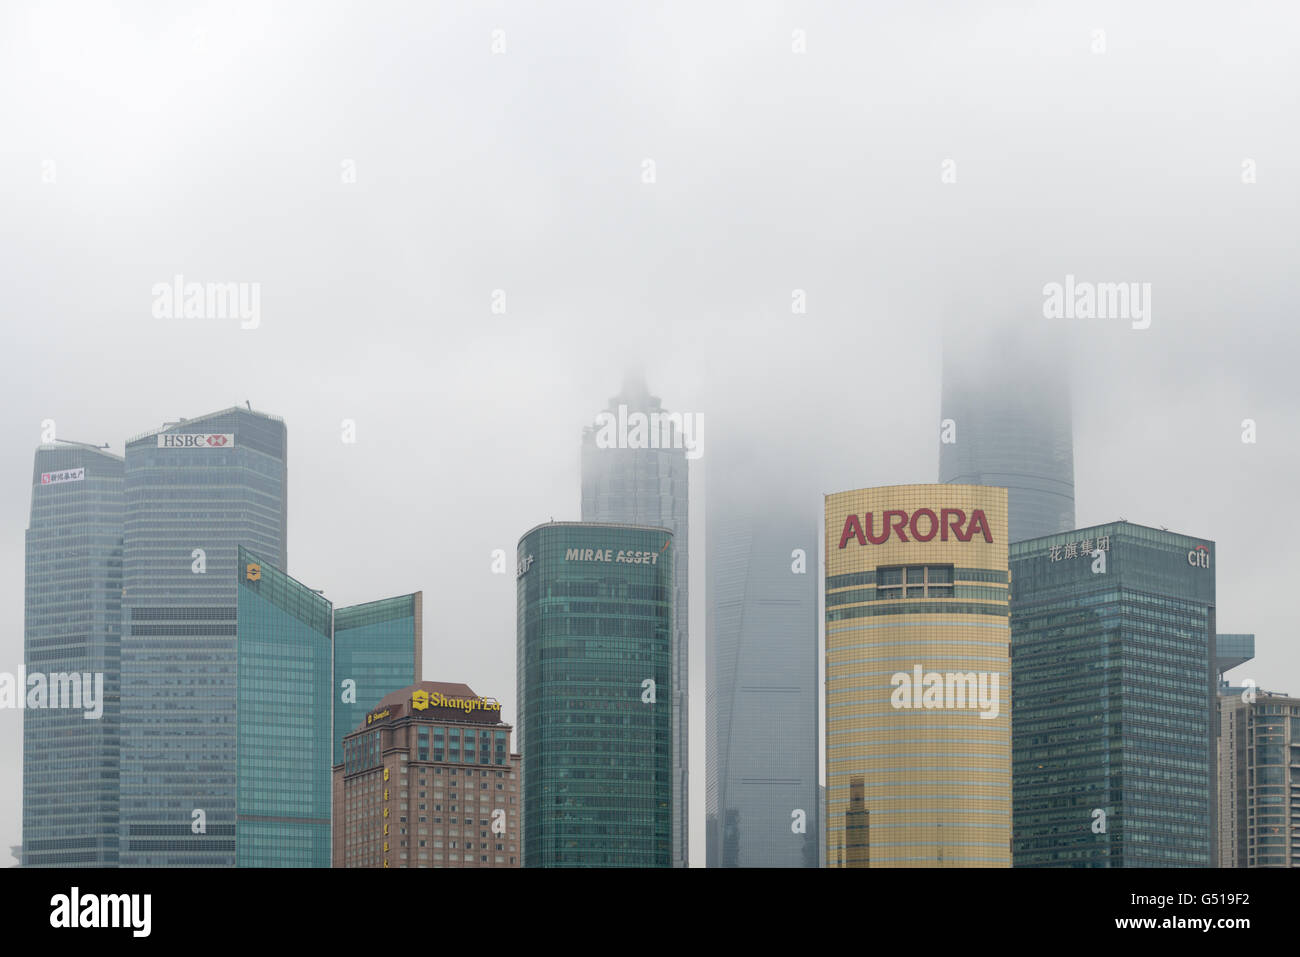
[(1259, 780), (1114, 686), (761, 714), (284, 729), (650, 487), (378, 648), (428, 780), (72, 626), (918, 716), (195, 491), (595, 691)]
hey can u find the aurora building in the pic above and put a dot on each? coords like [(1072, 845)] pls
[(1115, 675), (72, 627), (918, 698), (595, 691)]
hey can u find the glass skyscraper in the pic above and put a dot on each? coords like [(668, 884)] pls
[(649, 486), (595, 690), (378, 647), (284, 728), (761, 714), (1007, 422), (1113, 695), (195, 491), (72, 626), (1259, 780)]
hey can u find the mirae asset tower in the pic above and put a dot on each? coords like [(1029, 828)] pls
[(918, 668)]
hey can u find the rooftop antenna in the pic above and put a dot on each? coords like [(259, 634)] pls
[(84, 445)]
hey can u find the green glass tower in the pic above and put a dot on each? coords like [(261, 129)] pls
[(377, 649), (1113, 686), (594, 672), (283, 720)]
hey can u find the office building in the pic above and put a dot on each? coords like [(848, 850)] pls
[(641, 478), (283, 719), (428, 780), (595, 691), (1259, 780), (918, 701), (71, 637), (195, 491), (377, 647), (761, 795), (1113, 692)]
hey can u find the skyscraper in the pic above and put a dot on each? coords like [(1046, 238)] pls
[(72, 627), (918, 697), (1006, 422), (761, 713), (594, 673), (195, 491), (649, 486), (378, 647), (1114, 694), (283, 712), (1259, 780)]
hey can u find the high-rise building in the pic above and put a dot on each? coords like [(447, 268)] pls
[(72, 630), (1259, 780), (917, 622), (595, 692), (283, 726), (648, 485), (1113, 690), (428, 780), (761, 713), (1006, 422), (377, 646), (195, 491)]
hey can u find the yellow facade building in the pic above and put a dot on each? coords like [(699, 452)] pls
[(918, 677)]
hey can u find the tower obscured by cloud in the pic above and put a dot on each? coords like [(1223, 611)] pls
[(649, 486), (1006, 421)]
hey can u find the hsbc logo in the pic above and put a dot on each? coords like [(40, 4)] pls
[(1199, 557), (923, 525), (196, 440)]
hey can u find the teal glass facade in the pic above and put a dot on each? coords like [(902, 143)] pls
[(595, 623), (73, 625), (376, 646), (1113, 699), (283, 727)]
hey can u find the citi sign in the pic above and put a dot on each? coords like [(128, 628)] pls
[(196, 440), (923, 525), (1199, 557)]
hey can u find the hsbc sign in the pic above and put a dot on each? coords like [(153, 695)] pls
[(196, 440), (923, 525)]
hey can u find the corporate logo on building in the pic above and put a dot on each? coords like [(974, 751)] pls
[(67, 475), (420, 700), (522, 566), (196, 440), (374, 716), (253, 572), (923, 525), (609, 555), (1199, 557)]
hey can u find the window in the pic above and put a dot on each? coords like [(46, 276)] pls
[(914, 581)]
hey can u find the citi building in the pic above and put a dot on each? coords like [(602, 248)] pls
[(918, 698)]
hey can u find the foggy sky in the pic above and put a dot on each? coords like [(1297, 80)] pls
[(209, 141)]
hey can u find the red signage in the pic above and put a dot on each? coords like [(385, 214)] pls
[(923, 525)]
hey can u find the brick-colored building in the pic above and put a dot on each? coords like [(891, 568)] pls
[(428, 781)]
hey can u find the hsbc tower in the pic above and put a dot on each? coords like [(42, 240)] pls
[(195, 491), (918, 677)]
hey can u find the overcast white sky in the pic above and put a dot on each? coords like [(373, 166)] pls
[(210, 140)]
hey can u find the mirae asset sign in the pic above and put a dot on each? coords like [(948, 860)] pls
[(196, 440), (922, 525)]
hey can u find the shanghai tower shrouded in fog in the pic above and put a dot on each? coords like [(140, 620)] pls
[(1005, 421)]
